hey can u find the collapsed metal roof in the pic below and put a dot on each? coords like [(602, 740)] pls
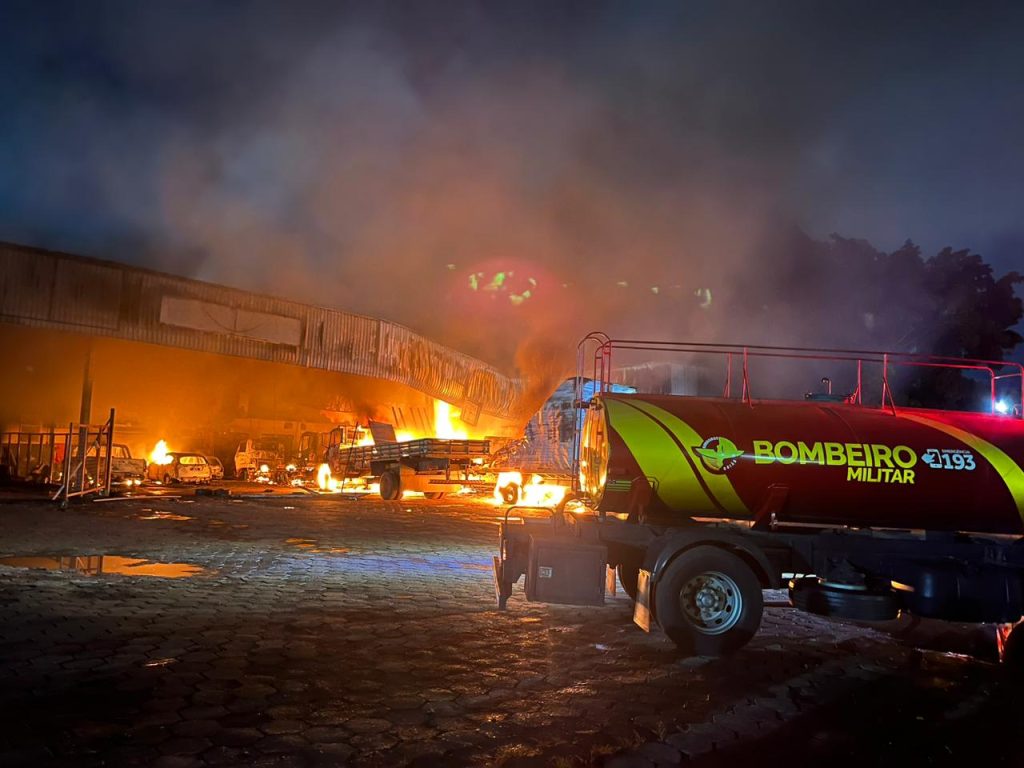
[(45, 289)]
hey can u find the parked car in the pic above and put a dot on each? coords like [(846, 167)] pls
[(216, 467), (182, 468), (124, 470)]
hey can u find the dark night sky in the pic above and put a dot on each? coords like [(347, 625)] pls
[(312, 149)]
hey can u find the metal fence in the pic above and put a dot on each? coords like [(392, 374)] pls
[(31, 456), (84, 442)]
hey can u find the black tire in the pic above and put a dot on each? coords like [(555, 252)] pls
[(243, 475), (709, 602), (629, 575), (510, 494), (434, 494), (390, 485), (825, 600), (167, 479)]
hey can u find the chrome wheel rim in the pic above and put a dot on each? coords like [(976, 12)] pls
[(711, 602)]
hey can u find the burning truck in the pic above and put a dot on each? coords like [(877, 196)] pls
[(862, 508), (536, 470)]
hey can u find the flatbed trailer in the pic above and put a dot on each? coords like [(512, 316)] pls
[(431, 465)]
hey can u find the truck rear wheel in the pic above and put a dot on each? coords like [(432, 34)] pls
[(709, 602), (243, 475), (390, 485), (510, 493)]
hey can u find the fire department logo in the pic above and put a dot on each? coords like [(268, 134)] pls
[(719, 454)]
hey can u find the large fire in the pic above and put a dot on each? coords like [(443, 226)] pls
[(159, 454), (535, 493), (444, 422), (324, 480)]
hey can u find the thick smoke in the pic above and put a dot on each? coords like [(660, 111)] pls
[(619, 167)]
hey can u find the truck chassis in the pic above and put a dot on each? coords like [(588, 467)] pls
[(702, 583)]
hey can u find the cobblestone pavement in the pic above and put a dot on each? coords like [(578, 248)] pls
[(326, 632)]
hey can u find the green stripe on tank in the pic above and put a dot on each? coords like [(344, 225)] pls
[(659, 457), (1005, 466), (718, 484)]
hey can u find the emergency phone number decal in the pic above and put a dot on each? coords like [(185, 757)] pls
[(949, 458)]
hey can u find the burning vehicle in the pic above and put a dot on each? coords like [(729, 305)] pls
[(178, 467), (536, 470), (259, 460), (433, 466), (863, 508), (216, 467)]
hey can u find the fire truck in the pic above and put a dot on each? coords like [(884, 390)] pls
[(863, 508)]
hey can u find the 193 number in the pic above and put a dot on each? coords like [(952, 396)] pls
[(949, 459)]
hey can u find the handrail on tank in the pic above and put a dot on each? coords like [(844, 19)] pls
[(606, 345), (600, 362)]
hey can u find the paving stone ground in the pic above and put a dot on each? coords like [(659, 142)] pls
[(336, 632)]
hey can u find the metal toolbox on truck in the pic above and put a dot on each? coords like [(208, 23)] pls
[(565, 570)]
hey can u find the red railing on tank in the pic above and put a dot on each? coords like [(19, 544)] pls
[(594, 352)]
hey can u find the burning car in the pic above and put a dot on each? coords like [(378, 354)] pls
[(181, 468), (258, 460), (216, 467)]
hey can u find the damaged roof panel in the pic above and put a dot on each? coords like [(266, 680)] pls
[(55, 290)]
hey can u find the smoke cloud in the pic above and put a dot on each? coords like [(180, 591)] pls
[(507, 177)]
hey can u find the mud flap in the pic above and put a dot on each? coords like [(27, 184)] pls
[(642, 606), (500, 595)]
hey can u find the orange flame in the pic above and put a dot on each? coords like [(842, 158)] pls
[(444, 422), (324, 480), (159, 454), (535, 493)]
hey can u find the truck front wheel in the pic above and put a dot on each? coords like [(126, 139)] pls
[(709, 602), (390, 485)]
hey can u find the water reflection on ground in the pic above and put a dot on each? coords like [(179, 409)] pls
[(94, 565)]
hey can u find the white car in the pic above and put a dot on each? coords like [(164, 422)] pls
[(216, 467), (181, 468)]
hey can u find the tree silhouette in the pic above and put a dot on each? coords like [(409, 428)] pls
[(843, 292)]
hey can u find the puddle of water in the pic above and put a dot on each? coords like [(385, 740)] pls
[(93, 565)]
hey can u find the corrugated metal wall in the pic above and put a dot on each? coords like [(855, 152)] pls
[(53, 290)]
